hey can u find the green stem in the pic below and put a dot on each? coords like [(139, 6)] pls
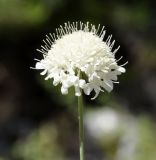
[(81, 130)]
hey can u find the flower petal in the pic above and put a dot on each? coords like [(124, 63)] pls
[(121, 69), (64, 90), (39, 65), (97, 90), (87, 89), (82, 83), (77, 91)]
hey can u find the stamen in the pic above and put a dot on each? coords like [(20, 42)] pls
[(60, 32), (111, 46), (116, 50), (37, 60), (46, 44), (69, 27), (49, 40), (116, 82), (101, 31), (76, 26), (93, 29), (33, 68), (124, 64), (65, 27), (86, 28), (103, 35), (44, 47), (81, 25), (52, 37), (41, 51), (119, 59), (108, 40), (97, 30)]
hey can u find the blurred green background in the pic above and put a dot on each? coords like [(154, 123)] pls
[(38, 123)]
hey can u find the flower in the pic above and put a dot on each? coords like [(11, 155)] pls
[(78, 49)]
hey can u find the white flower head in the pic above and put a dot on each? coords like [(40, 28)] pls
[(79, 48)]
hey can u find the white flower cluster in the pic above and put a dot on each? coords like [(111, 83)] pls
[(78, 49)]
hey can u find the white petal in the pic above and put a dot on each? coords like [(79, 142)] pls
[(64, 90), (49, 76), (116, 72), (107, 87), (112, 76), (66, 83), (82, 83), (77, 91), (87, 89), (39, 65), (71, 71), (73, 79), (56, 80), (44, 72), (97, 90), (121, 69)]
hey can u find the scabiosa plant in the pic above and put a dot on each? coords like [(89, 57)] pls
[(78, 56), (79, 47)]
